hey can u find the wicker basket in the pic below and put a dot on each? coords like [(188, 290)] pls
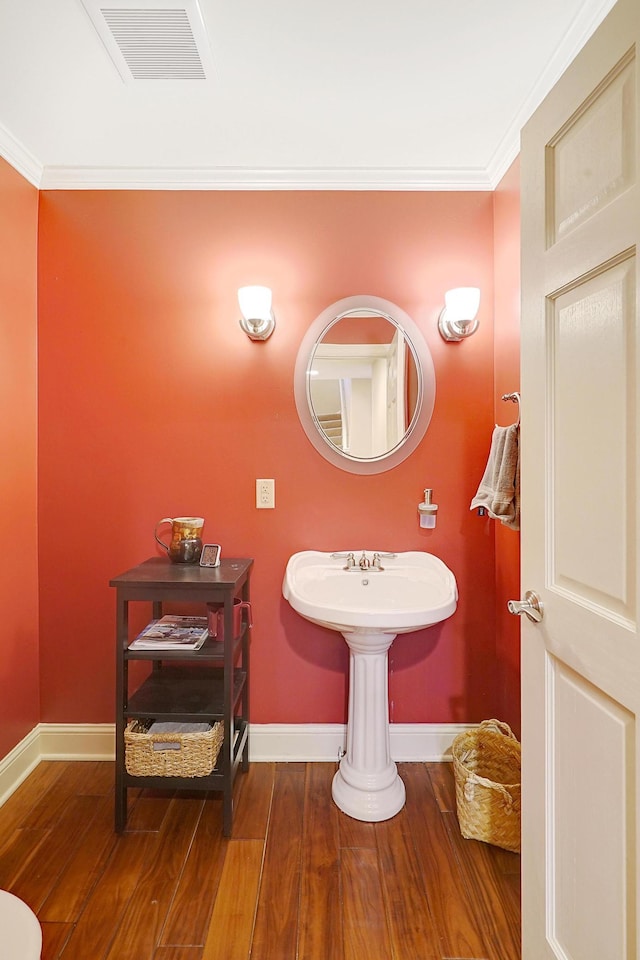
[(486, 766), (195, 758)]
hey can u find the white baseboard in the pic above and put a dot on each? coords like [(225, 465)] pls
[(324, 741), (55, 741), (77, 741), (18, 764), (305, 742)]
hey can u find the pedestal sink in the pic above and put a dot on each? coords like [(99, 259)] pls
[(369, 598)]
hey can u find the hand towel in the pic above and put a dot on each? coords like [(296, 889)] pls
[(499, 490)]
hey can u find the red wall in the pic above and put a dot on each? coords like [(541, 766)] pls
[(19, 687), (507, 379), (153, 403)]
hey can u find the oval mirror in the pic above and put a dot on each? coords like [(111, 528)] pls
[(364, 384)]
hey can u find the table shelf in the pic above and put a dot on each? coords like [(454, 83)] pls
[(187, 692)]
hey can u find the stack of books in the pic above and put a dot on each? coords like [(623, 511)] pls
[(172, 633)]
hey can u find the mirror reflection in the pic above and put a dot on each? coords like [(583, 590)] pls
[(363, 384)]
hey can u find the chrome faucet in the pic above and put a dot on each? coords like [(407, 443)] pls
[(363, 563), (349, 557), (377, 557)]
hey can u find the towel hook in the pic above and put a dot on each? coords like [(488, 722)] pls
[(515, 398)]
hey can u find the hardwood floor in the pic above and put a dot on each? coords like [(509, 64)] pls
[(299, 880)]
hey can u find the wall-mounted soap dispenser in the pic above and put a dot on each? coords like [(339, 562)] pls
[(427, 510)]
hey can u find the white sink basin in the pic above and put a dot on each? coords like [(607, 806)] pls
[(375, 598), (413, 590)]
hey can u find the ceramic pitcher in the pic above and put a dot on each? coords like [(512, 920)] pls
[(185, 545)]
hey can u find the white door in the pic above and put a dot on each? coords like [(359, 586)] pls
[(580, 483)]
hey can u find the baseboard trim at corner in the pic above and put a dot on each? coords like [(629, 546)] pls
[(18, 764), (55, 741), (269, 742)]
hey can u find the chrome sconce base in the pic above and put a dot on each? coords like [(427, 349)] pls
[(453, 330), (260, 329)]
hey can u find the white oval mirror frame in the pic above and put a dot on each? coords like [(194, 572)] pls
[(425, 387)]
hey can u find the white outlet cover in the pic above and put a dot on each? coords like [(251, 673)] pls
[(265, 494)]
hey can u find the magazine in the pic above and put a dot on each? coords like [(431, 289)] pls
[(172, 633)]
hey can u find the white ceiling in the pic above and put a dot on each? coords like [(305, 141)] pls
[(343, 94)]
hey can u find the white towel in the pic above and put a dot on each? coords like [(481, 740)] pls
[(499, 490)]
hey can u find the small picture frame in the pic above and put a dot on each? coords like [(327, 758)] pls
[(210, 556)]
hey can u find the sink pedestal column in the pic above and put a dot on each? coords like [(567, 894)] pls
[(367, 785)]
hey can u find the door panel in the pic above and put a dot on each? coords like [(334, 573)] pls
[(577, 189), (591, 343), (588, 863), (580, 487)]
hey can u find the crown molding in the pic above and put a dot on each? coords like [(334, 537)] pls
[(244, 178), (484, 178), (19, 157), (503, 159), (570, 45)]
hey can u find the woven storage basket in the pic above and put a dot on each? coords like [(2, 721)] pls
[(486, 766), (195, 758)]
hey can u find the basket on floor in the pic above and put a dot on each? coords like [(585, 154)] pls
[(196, 757), (486, 766)]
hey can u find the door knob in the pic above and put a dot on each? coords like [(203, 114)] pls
[(531, 606)]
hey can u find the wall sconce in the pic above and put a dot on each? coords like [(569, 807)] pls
[(457, 320), (257, 321)]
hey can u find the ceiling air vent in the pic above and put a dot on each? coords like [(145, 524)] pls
[(153, 39)]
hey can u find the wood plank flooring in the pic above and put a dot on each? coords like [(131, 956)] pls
[(299, 880)]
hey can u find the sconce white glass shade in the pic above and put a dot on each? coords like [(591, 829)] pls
[(458, 319), (257, 321)]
